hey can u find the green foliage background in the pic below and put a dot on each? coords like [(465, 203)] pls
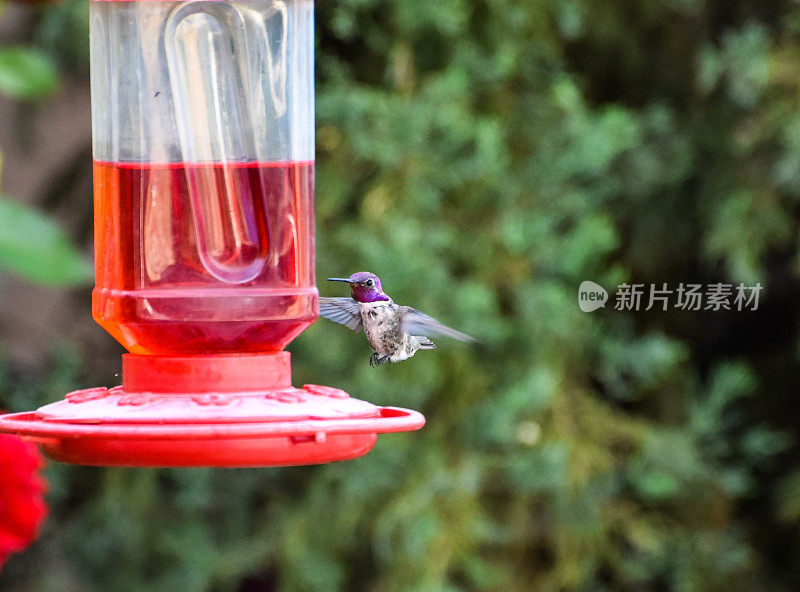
[(484, 157)]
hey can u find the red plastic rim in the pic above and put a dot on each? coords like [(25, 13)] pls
[(225, 411), (391, 419), (221, 445)]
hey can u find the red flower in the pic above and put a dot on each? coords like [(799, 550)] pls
[(22, 507)]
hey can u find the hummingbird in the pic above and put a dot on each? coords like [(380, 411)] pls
[(395, 332)]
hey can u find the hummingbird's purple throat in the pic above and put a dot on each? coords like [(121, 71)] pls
[(364, 287), (365, 294)]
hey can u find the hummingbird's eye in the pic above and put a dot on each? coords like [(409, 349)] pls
[(369, 283)]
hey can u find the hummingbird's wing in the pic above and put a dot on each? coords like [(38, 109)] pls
[(344, 311), (415, 322)]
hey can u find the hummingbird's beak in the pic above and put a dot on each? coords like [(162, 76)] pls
[(345, 280)]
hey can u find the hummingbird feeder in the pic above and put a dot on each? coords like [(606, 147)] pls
[(203, 144)]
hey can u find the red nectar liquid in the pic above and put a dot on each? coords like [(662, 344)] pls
[(204, 258)]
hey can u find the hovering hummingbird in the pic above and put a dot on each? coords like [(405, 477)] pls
[(394, 332)]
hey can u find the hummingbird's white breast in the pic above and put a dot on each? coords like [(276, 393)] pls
[(381, 326)]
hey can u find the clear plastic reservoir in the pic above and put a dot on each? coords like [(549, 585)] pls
[(203, 129)]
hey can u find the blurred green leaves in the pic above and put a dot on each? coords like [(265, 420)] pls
[(743, 59), (63, 32), (30, 243), (34, 246), (27, 73)]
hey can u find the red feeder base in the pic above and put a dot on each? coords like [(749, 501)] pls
[(221, 410)]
